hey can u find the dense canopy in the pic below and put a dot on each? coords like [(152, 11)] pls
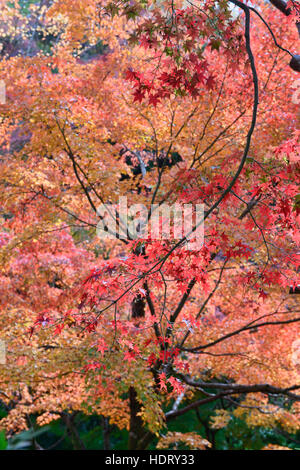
[(164, 102)]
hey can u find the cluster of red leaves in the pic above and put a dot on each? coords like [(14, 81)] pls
[(180, 44)]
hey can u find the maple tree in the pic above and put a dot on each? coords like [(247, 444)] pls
[(164, 102)]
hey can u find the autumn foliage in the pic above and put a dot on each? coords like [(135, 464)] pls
[(163, 102)]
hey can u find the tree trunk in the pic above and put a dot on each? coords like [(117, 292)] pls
[(68, 419), (106, 433), (136, 430), (139, 437)]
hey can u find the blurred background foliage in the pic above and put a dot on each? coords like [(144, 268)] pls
[(95, 433)]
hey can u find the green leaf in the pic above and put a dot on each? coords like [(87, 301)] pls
[(3, 441)]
